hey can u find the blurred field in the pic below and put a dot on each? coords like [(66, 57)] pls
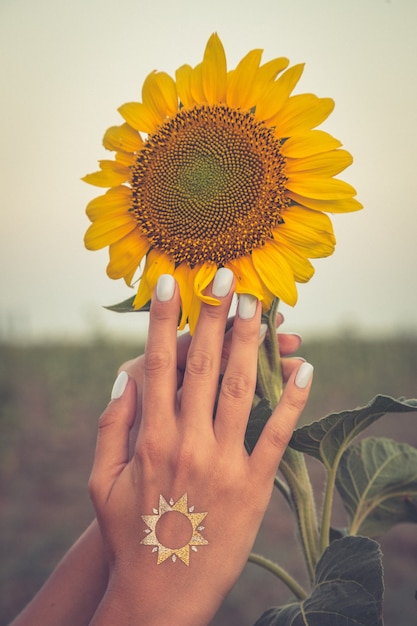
[(50, 399)]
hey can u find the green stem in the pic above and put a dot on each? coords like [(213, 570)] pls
[(269, 379), (299, 492), (294, 470), (328, 502), (281, 573), (283, 488)]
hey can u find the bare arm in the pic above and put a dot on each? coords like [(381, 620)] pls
[(71, 594)]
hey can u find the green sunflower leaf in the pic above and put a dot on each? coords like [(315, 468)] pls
[(347, 591), (377, 480), (127, 306), (327, 438), (259, 416)]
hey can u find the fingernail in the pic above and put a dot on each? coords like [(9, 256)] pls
[(165, 287), (119, 386), (304, 374), (222, 282), (247, 306), (262, 330)]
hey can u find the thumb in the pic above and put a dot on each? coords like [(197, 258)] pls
[(112, 447)]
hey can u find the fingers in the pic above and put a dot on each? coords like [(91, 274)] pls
[(112, 448), (204, 355), (280, 426), (288, 343), (239, 380), (160, 360)]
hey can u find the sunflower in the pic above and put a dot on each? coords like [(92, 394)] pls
[(220, 168)]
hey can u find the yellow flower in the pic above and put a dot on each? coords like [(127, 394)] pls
[(220, 168)]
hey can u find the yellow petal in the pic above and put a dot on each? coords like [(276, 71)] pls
[(184, 276), (159, 94), (311, 142), (275, 271), (347, 205), (300, 265), (183, 79), (324, 164), (247, 278), (197, 89), (241, 80), (214, 71), (321, 189), (111, 174), (139, 116), (126, 254), (265, 76), (123, 138), (300, 113), (202, 279), (310, 232), (102, 233), (278, 93), (194, 313), (144, 293), (125, 158), (115, 201), (157, 263), (270, 70), (299, 216)]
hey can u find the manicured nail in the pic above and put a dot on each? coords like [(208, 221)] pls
[(291, 334), (247, 306), (222, 282), (304, 374), (165, 287), (262, 330), (119, 386)]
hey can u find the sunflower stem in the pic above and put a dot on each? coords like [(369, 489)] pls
[(293, 468), (280, 573), (269, 382), (298, 489)]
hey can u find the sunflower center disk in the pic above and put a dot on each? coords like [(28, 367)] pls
[(209, 185)]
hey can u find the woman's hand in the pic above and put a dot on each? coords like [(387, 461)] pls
[(180, 517)]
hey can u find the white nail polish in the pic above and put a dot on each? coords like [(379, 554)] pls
[(262, 330), (119, 386), (222, 282), (165, 287), (247, 306), (304, 374)]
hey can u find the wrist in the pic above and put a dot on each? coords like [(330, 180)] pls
[(152, 601)]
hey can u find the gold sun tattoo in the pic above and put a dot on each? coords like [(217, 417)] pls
[(195, 519)]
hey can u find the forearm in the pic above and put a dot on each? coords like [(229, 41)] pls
[(75, 588), (125, 603)]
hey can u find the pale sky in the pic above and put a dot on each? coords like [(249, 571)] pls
[(65, 68)]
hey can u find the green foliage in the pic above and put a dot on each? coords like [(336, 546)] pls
[(259, 415), (127, 306), (343, 593), (377, 480), (327, 438)]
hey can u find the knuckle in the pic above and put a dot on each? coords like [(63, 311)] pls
[(107, 420), (150, 450), (278, 436), (199, 362), (246, 333), (186, 460), (157, 360), (236, 386)]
